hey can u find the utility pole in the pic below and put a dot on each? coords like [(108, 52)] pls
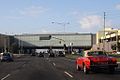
[(104, 31)]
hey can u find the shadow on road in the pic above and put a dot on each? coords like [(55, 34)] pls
[(102, 71)]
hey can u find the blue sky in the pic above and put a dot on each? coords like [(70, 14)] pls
[(36, 16)]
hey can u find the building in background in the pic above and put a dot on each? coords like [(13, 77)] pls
[(4, 43), (69, 41), (108, 40), (26, 43)]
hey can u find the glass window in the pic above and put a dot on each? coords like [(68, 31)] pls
[(96, 53)]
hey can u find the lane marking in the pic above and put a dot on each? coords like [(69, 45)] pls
[(5, 77), (68, 74), (54, 64)]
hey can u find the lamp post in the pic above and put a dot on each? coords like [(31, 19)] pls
[(64, 25), (61, 23)]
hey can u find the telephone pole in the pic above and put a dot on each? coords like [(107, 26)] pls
[(104, 31)]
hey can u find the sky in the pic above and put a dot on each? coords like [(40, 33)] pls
[(57, 16)]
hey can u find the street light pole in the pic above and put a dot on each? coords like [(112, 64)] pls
[(61, 23), (64, 25)]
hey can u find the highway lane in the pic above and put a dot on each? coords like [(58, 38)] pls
[(68, 65), (59, 68), (30, 68)]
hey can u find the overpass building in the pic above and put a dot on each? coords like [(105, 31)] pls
[(55, 41)]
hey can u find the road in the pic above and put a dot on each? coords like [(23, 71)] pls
[(59, 68)]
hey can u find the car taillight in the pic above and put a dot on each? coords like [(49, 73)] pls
[(112, 60)]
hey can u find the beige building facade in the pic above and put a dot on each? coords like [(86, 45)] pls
[(108, 40)]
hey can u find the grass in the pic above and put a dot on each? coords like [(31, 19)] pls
[(73, 57), (118, 59)]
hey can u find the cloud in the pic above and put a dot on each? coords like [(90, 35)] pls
[(91, 21), (117, 6), (32, 11)]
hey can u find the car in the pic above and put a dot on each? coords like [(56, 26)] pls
[(95, 60), (41, 54), (7, 56), (52, 54), (33, 54), (61, 54)]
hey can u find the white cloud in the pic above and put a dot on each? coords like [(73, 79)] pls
[(118, 6), (91, 22), (32, 11)]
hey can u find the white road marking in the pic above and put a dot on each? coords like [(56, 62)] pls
[(68, 74), (5, 77), (54, 64)]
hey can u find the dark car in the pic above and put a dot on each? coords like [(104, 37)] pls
[(33, 54), (6, 57), (41, 54), (61, 54), (52, 54)]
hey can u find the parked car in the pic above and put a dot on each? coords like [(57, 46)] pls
[(92, 60), (6, 57)]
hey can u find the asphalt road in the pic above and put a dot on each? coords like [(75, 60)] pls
[(59, 68)]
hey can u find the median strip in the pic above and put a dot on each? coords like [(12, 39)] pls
[(5, 77), (68, 74)]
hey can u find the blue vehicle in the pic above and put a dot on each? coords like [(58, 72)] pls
[(6, 57)]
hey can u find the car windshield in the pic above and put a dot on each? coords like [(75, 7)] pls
[(97, 53), (6, 54)]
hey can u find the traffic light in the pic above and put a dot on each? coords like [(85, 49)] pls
[(65, 46), (50, 36)]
